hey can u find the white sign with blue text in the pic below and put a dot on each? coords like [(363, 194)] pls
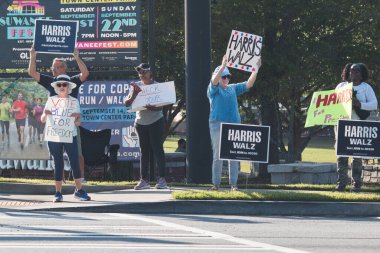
[(157, 94)]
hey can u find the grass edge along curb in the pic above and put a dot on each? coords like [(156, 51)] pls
[(276, 196)]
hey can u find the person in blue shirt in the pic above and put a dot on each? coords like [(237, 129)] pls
[(224, 108)]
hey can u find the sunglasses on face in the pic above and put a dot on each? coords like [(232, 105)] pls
[(59, 85), (226, 77), (142, 72)]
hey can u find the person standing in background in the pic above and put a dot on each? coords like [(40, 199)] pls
[(37, 113), (5, 118), (20, 109)]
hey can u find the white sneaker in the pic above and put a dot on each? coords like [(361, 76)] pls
[(142, 184)]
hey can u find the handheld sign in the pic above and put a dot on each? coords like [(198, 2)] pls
[(244, 142), (158, 94), (59, 125), (55, 36), (243, 51), (358, 138), (327, 107)]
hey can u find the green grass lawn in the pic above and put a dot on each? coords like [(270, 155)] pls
[(270, 195), (320, 149)]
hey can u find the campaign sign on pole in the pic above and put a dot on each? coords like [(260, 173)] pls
[(158, 94), (244, 142), (55, 36), (243, 51), (358, 138)]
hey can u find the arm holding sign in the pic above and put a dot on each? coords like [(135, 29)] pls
[(45, 115), (32, 70), (84, 73), (216, 77), (133, 94), (252, 77)]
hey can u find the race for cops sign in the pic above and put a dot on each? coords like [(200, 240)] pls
[(358, 138), (244, 142)]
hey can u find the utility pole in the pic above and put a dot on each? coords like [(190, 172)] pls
[(198, 65)]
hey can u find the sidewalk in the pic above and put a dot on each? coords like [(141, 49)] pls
[(107, 199)]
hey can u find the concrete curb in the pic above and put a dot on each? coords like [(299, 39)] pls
[(232, 207)]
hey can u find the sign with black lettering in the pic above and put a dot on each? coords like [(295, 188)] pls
[(55, 36), (243, 51), (358, 138), (244, 142)]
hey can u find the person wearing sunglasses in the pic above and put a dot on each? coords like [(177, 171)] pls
[(62, 106), (363, 101), (149, 125), (224, 108), (59, 67)]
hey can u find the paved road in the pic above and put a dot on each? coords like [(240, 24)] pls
[(112, 232)]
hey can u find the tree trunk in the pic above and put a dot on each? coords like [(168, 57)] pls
[(269, 111)]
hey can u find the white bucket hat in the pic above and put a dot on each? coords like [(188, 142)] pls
[(63, 79)]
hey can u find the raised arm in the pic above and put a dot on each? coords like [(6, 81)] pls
[(32, 70), (215, 78), (84, 73), (133, 94), (252, 77)]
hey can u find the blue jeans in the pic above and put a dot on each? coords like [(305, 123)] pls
[(56, 150), (233, 166)]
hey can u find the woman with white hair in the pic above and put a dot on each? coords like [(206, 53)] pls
[(224, 109), (61, 107)]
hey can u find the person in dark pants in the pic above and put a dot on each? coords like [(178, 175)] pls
[(363, 101), (69, 106), (59, 67), (149, 125)]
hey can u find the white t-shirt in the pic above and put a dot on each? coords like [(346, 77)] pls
[(365, 95), (147, 117)]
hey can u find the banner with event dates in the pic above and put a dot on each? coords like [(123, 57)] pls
[(102, 106), (109, 30)]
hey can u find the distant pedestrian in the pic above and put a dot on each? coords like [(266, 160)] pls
[(181, 146), (5, 117), (20, 109)]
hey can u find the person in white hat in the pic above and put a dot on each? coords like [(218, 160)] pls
[(59, 67), (224, 108), (61, 107)]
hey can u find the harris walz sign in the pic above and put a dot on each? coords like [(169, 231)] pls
[(358, 138), (244, 142)]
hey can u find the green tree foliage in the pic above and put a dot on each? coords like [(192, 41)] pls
[(306, 44)]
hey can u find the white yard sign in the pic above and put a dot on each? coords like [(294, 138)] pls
[(243, 51), (59, 125), (158, 94)]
